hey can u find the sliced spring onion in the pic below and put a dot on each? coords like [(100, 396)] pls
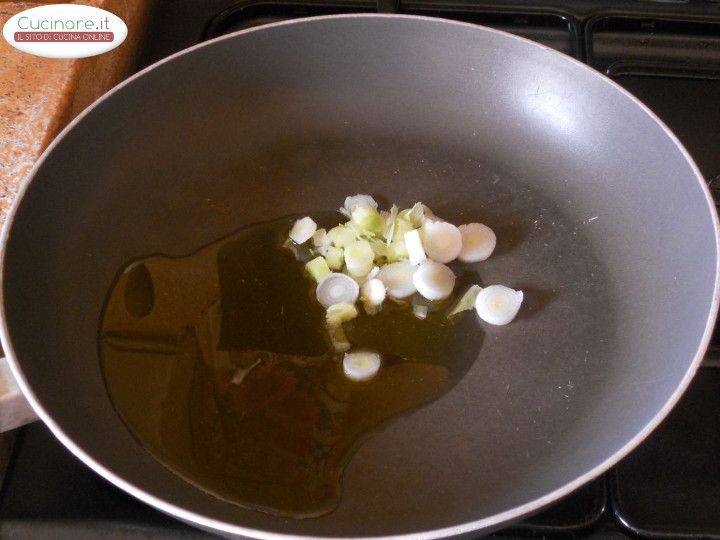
[(359, 257), (397, 251), (429, 216), (414, 215), (302, 253), (442, 241), (414, 246), (339, 339), (356, 201), (334, 257), (466, 302), (341, 236), (410, 248), (498, 304), (359, 231), (398, 279), (478, 242), (380, 248), (370, 275), (337, 288), (321, 241), (421, 312), (372, 295), (373, 273), (302, 230), (361, 365), (390, 218), (402, 225), (368, 220), (318, 268), (433, 280), (339, 313)]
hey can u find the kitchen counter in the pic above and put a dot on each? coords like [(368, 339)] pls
[(39, 96)]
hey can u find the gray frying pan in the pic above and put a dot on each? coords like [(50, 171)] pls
[(602, 218)]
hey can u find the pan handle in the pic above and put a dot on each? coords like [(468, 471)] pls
[(15, 411)]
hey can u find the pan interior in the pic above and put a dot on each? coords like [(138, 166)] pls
[(600, 220)]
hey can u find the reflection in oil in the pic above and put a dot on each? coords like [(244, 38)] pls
[(219, 364)]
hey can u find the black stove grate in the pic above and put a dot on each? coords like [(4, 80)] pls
[(670, 486)]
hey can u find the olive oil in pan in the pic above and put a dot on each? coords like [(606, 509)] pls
[(220, 365)]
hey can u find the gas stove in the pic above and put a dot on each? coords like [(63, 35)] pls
[(667, 53)]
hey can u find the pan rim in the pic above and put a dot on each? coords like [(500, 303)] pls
[(487, 523)]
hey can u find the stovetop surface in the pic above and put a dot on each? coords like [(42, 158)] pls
[(667, 54)]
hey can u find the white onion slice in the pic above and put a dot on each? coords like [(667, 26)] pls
[(478, 242), (434, 281), (321, 241), (337, 288), (414, 246), (361, 365), (359, 257), (302, 230), (421, 312), (467, 301), (498, 304), (372, 294), (442, 241), (339, 339), (398, 278), (355, 201), (429, 216), (373, 273)]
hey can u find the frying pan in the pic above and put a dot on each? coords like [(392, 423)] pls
[(602, 218)]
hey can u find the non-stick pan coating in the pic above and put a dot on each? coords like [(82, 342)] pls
[(602, 220)]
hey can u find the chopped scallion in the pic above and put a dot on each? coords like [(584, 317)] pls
[(359, 257), (318, 269), (334, 257), (336, 288), (368, 220), (302, 230), (466, 302), (341, 236), (340, 313)]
